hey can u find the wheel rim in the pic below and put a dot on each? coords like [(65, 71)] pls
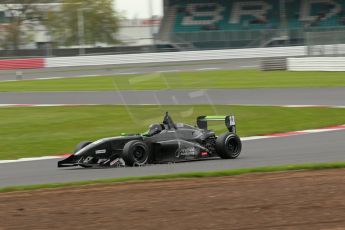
[(233, 146), (139, 154)]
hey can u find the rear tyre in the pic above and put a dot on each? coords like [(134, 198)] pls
[(228, 146), (135, 153)]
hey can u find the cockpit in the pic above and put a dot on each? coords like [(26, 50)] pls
[(155, 129), (168, 124)]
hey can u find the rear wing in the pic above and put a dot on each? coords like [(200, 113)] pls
[(230, 123)]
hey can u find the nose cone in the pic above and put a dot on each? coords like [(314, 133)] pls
[(69, 161)]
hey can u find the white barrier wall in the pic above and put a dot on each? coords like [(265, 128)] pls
[(316, 64), (175, 56)]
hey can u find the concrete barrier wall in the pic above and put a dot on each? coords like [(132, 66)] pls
[(175, 56), (145, 58), (316, 64)]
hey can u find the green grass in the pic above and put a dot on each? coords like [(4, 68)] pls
[(233, 172), (37, 131), (188, 80)]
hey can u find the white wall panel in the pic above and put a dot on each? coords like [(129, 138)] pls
[(316, 64), (175, 56)]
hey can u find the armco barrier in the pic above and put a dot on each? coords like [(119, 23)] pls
[(32, 63), (175, 56), (316, 64), (144, 58)]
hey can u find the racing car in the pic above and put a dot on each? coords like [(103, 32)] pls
[(167, 142)]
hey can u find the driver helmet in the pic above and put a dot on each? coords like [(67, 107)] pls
[(154, 129)]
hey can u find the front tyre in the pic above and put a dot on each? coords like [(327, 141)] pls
[(135, 153), (228, 146)]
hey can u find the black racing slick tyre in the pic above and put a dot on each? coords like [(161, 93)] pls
[(81, 145), (135, 153), (228, 146)]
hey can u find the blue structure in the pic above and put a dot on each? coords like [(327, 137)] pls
[(239, 23)]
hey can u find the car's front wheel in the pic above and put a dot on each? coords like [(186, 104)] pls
[(135, 153), (228, 146)]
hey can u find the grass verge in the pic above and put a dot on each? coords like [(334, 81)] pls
[(222, 79), (42, 131), (233, 172)]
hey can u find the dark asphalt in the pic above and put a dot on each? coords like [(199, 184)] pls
[(130, 69), (322, 96), (322, 147)]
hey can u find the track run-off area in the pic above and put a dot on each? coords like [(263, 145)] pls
[(285, 149), (321, 97), (314, 146)]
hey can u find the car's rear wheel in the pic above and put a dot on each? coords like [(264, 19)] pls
[(228, 146), (135, 153)]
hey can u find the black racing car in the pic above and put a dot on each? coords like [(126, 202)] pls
[(163, 143)]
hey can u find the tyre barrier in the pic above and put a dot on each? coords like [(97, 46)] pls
[(271, 64)]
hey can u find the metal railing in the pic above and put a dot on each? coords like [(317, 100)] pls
[(248, 38), (325, 43), (319, 41)]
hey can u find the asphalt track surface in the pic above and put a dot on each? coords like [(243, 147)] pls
[(326, 97), (321, 147), (67, 72)]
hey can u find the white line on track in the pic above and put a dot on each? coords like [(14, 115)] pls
[(8, 80), (50, 78), (249, 66), (121, 73), (46, 78), (293, 106), (30, 159), (285, 106), (41, 105), (92, 75), (244, 139), (313, 106), (168, 71), (254, 138), (207, 69), (81, 76), (132, 73)]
